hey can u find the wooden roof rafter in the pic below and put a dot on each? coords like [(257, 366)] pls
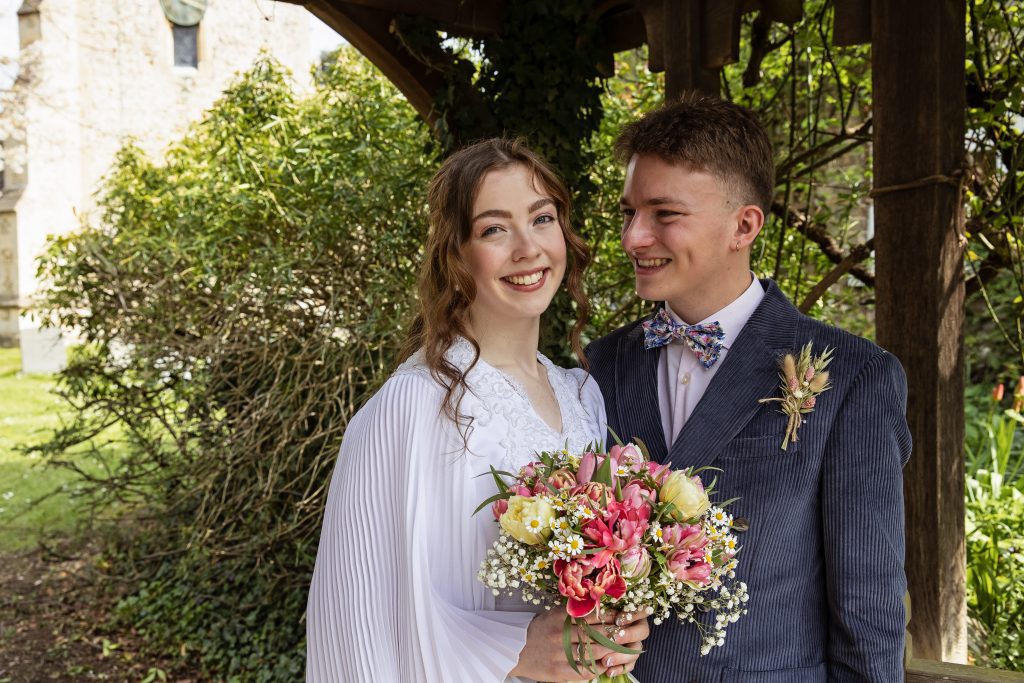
[(712, 28)]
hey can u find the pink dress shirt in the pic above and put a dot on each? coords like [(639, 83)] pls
[(682, 380)]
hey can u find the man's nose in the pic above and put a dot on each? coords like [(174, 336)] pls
[(637, 233)]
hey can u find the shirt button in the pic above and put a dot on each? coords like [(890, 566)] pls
[(685, 379)]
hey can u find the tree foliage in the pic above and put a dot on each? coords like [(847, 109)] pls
[(237, 303)]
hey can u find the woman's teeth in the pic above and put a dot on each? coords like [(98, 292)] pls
[(651, 262), (526, 279)]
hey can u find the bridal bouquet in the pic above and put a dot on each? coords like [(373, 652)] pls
[(614, 530)]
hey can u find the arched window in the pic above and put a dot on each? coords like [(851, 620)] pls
[(186, 45), (184, 16)]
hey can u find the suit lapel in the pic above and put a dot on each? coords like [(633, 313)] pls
[(749, 372), (637, 403)]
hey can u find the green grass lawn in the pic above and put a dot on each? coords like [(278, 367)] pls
[(35, 500)]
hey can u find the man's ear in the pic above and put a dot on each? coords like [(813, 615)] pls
[(749, 222)]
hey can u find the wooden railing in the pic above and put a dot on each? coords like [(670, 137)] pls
[(926, 671)]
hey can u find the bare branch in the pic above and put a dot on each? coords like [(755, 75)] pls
[(856, 255), (829, 247)]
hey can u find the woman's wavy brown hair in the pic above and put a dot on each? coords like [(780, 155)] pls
[(446, 288)]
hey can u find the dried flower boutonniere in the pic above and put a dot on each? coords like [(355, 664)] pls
[(803, 379)]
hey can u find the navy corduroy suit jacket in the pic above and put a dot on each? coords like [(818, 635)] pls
[(823, 556)]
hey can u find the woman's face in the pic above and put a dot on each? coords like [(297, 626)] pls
[(515, 250)]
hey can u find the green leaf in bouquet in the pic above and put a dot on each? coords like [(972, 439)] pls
[(504, 495), (603, 474), (615, 436), (644, 450), (604, 640), (567, 628), (498, 474)]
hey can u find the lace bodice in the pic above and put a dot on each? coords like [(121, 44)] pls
[(505, 425)]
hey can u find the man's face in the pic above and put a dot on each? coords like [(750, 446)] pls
[(680, 231)]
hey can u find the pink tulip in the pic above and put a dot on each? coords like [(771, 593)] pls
[(628, 455), (636, 495), (659, 472), (688, 537), (618, 530), (583, 593), (498, 508), (609, 582), (561, 478), (686, 566), (636, 563), (573, 584), (585, 472), (597, 492)]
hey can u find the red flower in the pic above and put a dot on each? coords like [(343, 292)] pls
[(584, 593)]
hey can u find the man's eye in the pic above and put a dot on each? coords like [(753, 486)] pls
[(667, 214), (628, 213)]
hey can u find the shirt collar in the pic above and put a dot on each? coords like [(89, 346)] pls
[(734, 316)]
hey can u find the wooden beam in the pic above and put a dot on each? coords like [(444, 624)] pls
[(653, 13), (924, 671), (682, 48), (787, 11), (461, 17), (851, 24), (917, 66), (623, 28), (369, 31), (720, 32)]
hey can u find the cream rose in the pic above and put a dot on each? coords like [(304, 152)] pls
[(687, 494), (528, 519)]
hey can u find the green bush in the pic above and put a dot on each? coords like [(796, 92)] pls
[(995, 537), (238, 301)]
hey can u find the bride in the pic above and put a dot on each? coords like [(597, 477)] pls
[(394, 595)]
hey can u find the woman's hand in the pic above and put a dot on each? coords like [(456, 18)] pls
[(543, 656), (636, 630)]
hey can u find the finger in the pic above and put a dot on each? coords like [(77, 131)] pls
[(625, 618), (616, 662), (633, 634), (602, 615)]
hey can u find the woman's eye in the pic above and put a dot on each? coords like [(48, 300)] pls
[(545, 219), (492, 230)]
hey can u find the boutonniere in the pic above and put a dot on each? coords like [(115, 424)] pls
[(803, 378)]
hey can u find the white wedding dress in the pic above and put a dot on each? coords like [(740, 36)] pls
[(395, 596)]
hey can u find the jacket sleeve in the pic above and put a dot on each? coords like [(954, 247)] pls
[(863, 525)]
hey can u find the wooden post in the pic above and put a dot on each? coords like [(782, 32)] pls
[(918, 49), (683, 50)]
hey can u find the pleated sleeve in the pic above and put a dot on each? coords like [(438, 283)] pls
[(394, 595)]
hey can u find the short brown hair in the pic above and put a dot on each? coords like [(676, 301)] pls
[(446, 287), (708, 134)]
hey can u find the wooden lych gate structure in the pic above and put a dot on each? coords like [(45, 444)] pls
[(918, 80)]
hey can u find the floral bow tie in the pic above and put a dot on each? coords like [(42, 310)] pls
[(705, 340)]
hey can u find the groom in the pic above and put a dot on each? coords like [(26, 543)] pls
[(822, 553)]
